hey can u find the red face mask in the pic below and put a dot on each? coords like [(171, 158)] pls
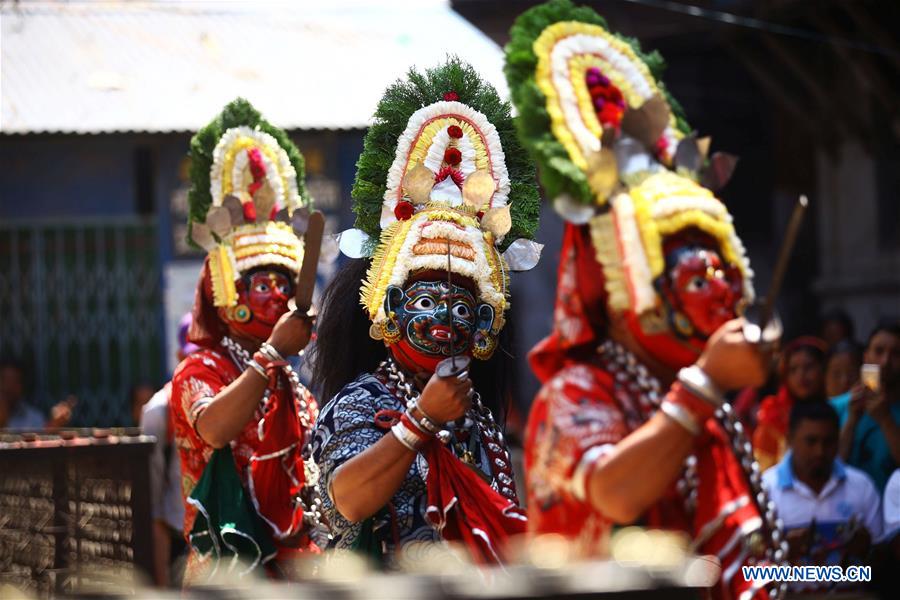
[(702, 291), (265, 294)]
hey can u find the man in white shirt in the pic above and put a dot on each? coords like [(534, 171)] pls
[(165, 477), (831, 511)]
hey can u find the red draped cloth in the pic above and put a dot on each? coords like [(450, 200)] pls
[(462, 507)]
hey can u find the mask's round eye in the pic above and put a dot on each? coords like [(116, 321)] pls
[(284, 288), (424, 303), (461, 311), (261, 287), (696, 284)]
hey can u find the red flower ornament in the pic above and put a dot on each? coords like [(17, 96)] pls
[(607, 99), (404, 210), (452, 156), (662, 147), (454, 174), (451, 96), (610, 115), (455, 131)]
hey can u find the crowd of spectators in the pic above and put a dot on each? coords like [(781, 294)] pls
[(829, 441)]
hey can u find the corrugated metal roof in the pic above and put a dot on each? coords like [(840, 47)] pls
[(163, 66)]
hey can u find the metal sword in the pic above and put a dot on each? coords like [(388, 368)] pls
[(450, 305), (452, 366)]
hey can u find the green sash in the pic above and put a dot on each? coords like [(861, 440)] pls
[(227, 526)]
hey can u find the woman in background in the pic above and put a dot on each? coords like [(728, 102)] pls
[(802, 378)]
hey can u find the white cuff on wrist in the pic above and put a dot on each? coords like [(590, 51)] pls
[(270, 352), (699, 383), (406, 437), (681, 416), (578, 487)]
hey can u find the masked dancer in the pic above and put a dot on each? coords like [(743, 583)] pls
[(631, 425), (445, 202), (241, 416)]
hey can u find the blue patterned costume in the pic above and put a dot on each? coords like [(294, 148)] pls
[(345, 428)]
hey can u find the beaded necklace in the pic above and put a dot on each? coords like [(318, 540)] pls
[(492, 438)]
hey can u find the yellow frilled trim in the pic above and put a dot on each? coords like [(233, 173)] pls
[(222, 275), (387, 259), (606, 250), (240, 144), (251, 245), (693, 202), (578, 65), (499, 277), (383, 260), (263, 249)]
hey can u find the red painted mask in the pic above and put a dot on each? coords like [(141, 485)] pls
[(265, 294), (700, 287)]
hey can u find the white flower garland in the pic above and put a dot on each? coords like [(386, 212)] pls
[(276, 175), (580, 44), (416, 123), (269, 258), (439, 145), (272, 177), (677, 204)]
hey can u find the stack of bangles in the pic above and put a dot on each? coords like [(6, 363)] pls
[(415, 433), (265, 359), (693, 399)]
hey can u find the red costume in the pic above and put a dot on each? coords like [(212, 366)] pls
[(254, 499), (649, 257), (267, 453), (581, 406)]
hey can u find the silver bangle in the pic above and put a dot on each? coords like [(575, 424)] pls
[(405, 436), (427, 422), (421, 426), (270, 352), (680, 415), (258, 368), (198, 407), (699, 383), (578, 485)]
